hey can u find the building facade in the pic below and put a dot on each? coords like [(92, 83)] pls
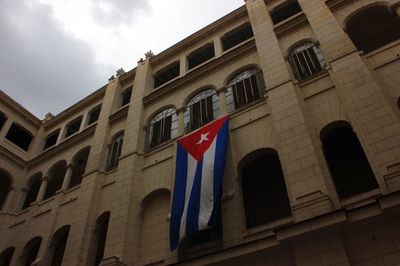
[(312, 174)]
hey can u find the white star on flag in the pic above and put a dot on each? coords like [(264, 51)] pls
[(203, 137)]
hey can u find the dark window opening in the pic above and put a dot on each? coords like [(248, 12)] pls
[(168, 73), (383, 27), (349, 167), (306, 61), (73, 127), (60, 241), (6, 256), (245, 88), (126, 96), (79, 167), (285, 11), (202, 109), (115, 152), (31, 251), (162, 128), (201, 55), (4, 188), (19, 136), (51, 139), (56, 179), (3, 120), (94, 115), (101, 236), (237, 36), (264, 189), (33, 190)]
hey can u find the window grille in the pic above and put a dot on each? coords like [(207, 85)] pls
[(201, 109), (162, 128), (244, 89), (306, 60), (115, 152)]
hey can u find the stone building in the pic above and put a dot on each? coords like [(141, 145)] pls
[(313, 170)]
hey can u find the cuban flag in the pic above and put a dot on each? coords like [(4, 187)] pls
[(200, 163)]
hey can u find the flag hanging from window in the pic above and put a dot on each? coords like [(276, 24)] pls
[(200, 163)]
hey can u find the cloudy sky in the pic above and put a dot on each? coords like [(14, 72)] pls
[(55, 52)]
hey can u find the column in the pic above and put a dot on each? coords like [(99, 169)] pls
[(222, 101), (217, 47), (67, 177), (22, 198), (42, 190), (84, 121), (7, 206), (183, 65), (181, 121), (61, 134)]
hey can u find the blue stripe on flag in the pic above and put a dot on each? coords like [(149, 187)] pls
[(219, 167), (178, 199), (192, 218)]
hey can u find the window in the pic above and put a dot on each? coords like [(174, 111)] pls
[(244, 89), (79, 166), (201, 55), (4, 187), (58, 244), (348, 165), (126, 96), (19, 136), (30, 251), (285, 11), (100, 236), (383, 27), (33, 190), (51, 139), (306, 60), (264, 190), (73, 127), (56, 178), (3, 120), (168, 73), (115, 151), (6, 256), (94, 115), (237, 36), (162, 128), (201, 109)]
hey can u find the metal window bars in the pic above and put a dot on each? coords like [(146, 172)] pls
[(306, 61), (163, 127)]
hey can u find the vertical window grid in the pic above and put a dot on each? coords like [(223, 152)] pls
[(162, 128), (306, 61)]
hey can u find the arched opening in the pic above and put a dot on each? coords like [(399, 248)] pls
[(100, 237), (5, 184), (33, 189), (57, 173), (162, 128), (58, 245), (79, 166), (30, 251), (6, 256), (348, 165), (382, 23), (264, 189), (154, 227)]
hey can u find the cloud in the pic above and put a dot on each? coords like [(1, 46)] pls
[(117, 12), (43, 67)]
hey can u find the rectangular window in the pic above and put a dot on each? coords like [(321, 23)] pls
[(19, 136), (94, 115), (201, 55), (3, 120), (126, 96), (115, 152), (73, 127), (168, 73), (285, 11), (236, 36), (51, 139)]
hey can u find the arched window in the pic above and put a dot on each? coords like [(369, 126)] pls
[(30, 251), (373, 27), (201, 109), (115, 151), (100, 236), (245, 88), (56, 178), (79, 166), (306, 60), (162, 128), (264, 190), (6, 256), (349, 167), (5, 184), (58, 245), (33, 189)]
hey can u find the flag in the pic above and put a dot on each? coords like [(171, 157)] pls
[(200, 163)]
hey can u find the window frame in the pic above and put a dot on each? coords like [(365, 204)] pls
[(115, 149), (162, 138)]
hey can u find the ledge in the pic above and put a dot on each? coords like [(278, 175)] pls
[(291, 24), (120, 114), (337, 4)]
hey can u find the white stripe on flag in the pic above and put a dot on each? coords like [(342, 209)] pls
[(191, 171), (207, 186)]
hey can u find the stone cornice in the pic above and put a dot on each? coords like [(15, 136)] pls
[(60, 148), (15, 106), (203, 70), (128, 76), (199, 35), (337, 4), (291, 24), (122, 113), (10, 156)]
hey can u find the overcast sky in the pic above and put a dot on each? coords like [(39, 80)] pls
[(55, 52)]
